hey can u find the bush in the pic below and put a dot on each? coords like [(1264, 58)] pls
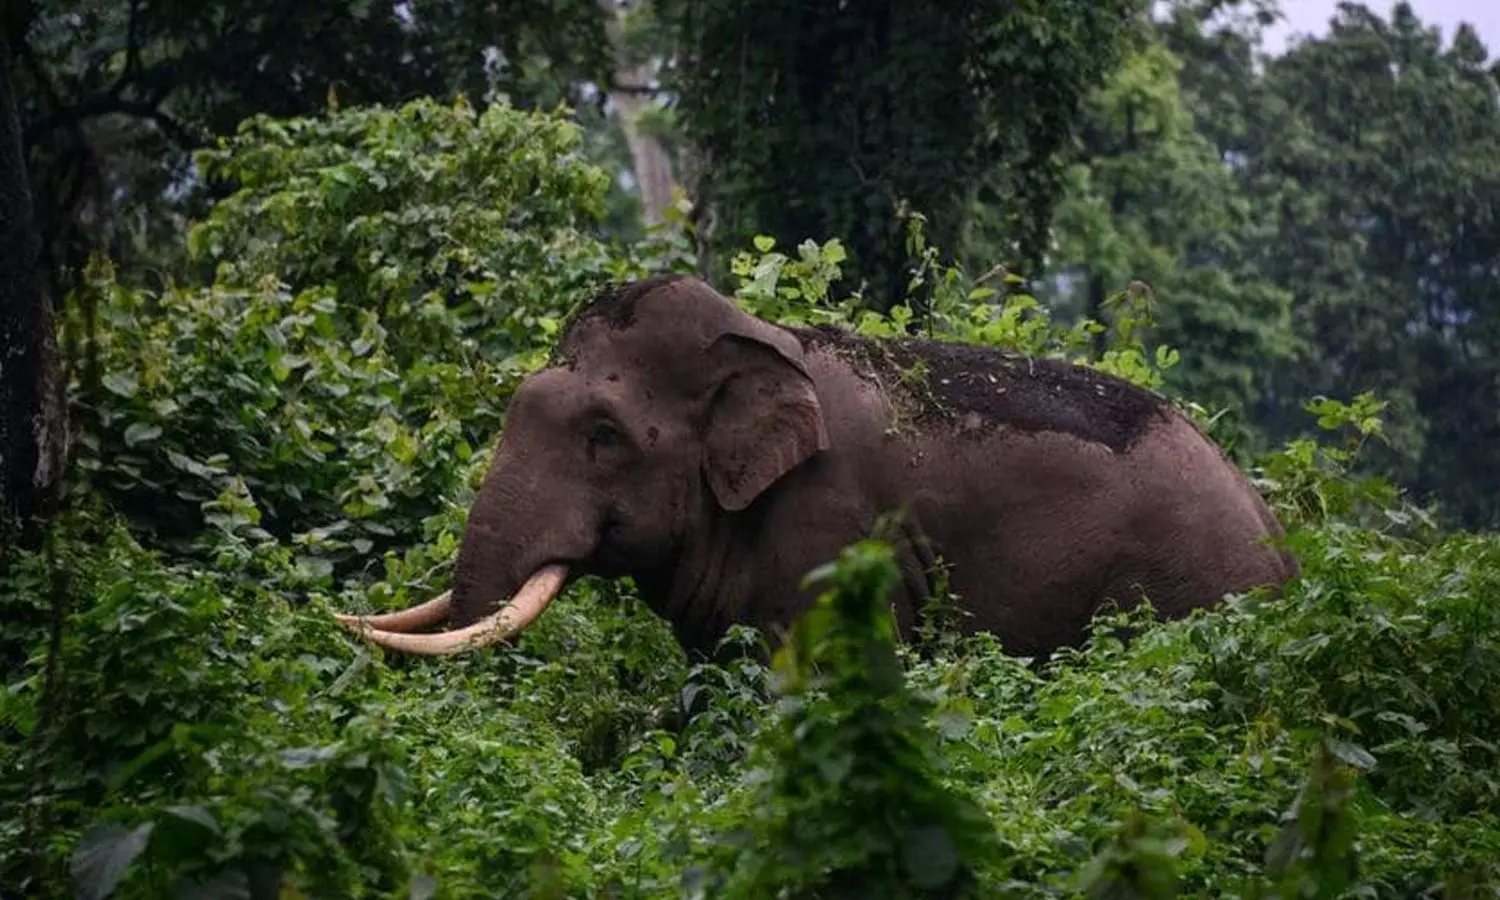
[(199, 726), (851, 798), (381, 279)]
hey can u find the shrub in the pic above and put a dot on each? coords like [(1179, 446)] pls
[(380, 280), (201, 727), (851, 800)]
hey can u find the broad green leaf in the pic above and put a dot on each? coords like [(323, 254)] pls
[(141, 432), (120, 383), (226, 884), (104, 854)]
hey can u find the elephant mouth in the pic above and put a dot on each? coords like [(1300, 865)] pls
[(398, 630)]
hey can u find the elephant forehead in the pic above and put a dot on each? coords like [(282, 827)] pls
[(643, 356), (546, 394), (675, 308), (558, 393)]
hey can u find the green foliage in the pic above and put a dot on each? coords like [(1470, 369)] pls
[(957, 305), (1315, 482), (119, 94), (352, 354), (1321, 222), (215, 733), (1366, 163), (204, 728), (179, 685), (1151, 200), (850, 801), (1388, 188), (824, 120)]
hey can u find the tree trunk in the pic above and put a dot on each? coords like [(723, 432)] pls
[(700, 216), (33, 426), (630, 97)]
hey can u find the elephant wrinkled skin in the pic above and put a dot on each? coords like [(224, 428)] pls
[(717, 459)]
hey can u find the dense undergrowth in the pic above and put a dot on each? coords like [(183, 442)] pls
[(303, 431)]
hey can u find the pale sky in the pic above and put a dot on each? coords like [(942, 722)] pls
[(1311, 17)]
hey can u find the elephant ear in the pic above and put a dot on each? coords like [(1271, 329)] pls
[(764, 418)]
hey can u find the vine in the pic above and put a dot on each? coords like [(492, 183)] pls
[(827, 119)]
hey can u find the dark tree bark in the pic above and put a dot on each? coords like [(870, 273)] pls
[(33, 426)]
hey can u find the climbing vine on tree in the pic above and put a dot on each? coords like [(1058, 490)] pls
[(819, 119)]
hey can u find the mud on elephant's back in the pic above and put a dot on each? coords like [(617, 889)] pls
[(981, 389)]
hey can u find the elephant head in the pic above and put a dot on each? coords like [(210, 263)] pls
[(664, 404)]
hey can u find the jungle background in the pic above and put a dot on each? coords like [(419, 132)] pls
[(269, 273)]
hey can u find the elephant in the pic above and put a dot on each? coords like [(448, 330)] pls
[(717, 458)]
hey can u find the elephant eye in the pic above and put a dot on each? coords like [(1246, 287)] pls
[(603, 435)]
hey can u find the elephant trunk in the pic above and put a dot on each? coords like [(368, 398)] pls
[(505, 578)]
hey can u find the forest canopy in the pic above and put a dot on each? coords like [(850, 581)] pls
[(299, 262)]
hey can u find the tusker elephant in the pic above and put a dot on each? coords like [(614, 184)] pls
[(716, 459)]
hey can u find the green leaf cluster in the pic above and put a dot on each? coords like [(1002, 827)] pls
[(181, 716), (374, 287), (850, 797)]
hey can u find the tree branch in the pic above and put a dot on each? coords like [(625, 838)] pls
[(618, 86), (180, 133), (132, 50)]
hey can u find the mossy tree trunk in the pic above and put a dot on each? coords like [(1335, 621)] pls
[(33, 427)]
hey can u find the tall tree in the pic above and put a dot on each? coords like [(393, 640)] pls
[(1220, 47), (1382, 145), (631, 94), (1151, 199), (820, 119), (33, 431), (118, 94)]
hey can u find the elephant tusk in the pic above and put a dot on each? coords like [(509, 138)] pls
[(507, 621), (411, 619)]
